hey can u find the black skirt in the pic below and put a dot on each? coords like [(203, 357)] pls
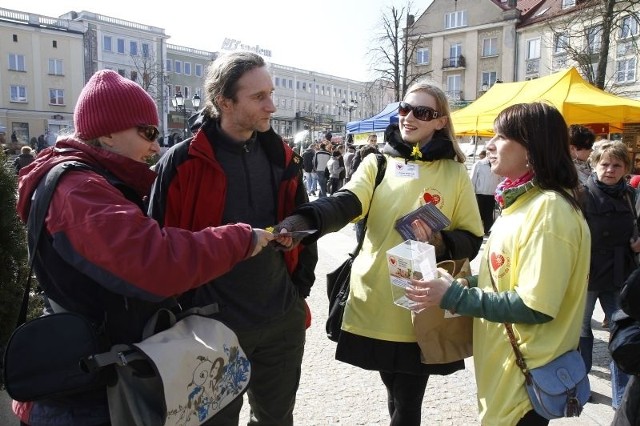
[(389, 357)]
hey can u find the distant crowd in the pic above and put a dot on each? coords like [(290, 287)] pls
[(327, 166)]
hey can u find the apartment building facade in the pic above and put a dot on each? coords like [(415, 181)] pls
[(41, 58), (308, 100), (466, 46), (50, 59)]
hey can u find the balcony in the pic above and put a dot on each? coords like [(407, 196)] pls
[(455, 62), (455, 95), (533, 66)]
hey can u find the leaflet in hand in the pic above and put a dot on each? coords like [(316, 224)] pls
[(429, 213), (296, 234)]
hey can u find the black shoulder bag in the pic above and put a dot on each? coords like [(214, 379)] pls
[(43, 356), (338, 280)]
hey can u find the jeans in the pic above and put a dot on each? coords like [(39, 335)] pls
[(322, 184), (311, 181), (609, 303)]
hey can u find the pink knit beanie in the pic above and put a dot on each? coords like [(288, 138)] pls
[(110, 103)]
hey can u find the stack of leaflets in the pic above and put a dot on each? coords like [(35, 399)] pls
[(429, 213)]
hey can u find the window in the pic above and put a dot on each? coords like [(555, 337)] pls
[(55, 67), (198, 70), (626, 70), (169, 65), (16, 62), (133, 48), (134, 75), (15, 38), (120, 44), (568, 3), (454, 87), (629, 27), (625, 48), (54, 44), (489, 78), (145, 50), (56, 97), (455, 19), (594, 39), (455, 50), (178, 67), (179, 90), (122, 72), (423, 57), (187, 68), (277, 81), (533, 48), (106, 44), (291, 87), (18, 93), (490, 46), (560, 43)]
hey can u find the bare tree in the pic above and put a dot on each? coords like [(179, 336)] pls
[(585, 35), (394, 49), (148, 72)]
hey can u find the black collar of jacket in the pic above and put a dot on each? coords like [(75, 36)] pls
[(440, 147), (270, 141)]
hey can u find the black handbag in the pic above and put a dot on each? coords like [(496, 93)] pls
[(44, 357), (338, 280), (624, 343), (337, 291)]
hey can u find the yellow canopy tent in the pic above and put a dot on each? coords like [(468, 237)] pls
[(577, 100)]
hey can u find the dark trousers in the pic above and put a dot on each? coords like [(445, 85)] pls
[(404, 397), (486, 205), (275, 352), (532, 419)]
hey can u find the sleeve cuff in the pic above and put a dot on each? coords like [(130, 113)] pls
[(452, 296)]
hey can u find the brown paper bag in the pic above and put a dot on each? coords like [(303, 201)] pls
[(441, 339)]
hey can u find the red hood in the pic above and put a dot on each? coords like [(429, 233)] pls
[(132, 173)]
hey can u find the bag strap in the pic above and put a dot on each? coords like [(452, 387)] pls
[(382, 167), (520, 362), (123, 354), (38, 215)]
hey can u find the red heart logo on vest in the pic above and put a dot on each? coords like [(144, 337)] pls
[(430, 198), (497, 260)]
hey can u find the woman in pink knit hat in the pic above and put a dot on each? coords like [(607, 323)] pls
[(100, 255)]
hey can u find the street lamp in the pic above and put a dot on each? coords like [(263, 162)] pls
[(353, 104), (178, 103)]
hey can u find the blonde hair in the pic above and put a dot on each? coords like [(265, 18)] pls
[(442, 105)]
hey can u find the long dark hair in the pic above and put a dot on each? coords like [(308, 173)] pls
[(541, 129)]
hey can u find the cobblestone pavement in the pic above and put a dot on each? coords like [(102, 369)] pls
[(334, 393)]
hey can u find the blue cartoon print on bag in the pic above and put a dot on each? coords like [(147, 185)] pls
[(213, 386)]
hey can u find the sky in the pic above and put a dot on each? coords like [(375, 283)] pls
[(327, 36)]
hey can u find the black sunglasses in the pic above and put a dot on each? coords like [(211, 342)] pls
[(149, 132), (422, 113)]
